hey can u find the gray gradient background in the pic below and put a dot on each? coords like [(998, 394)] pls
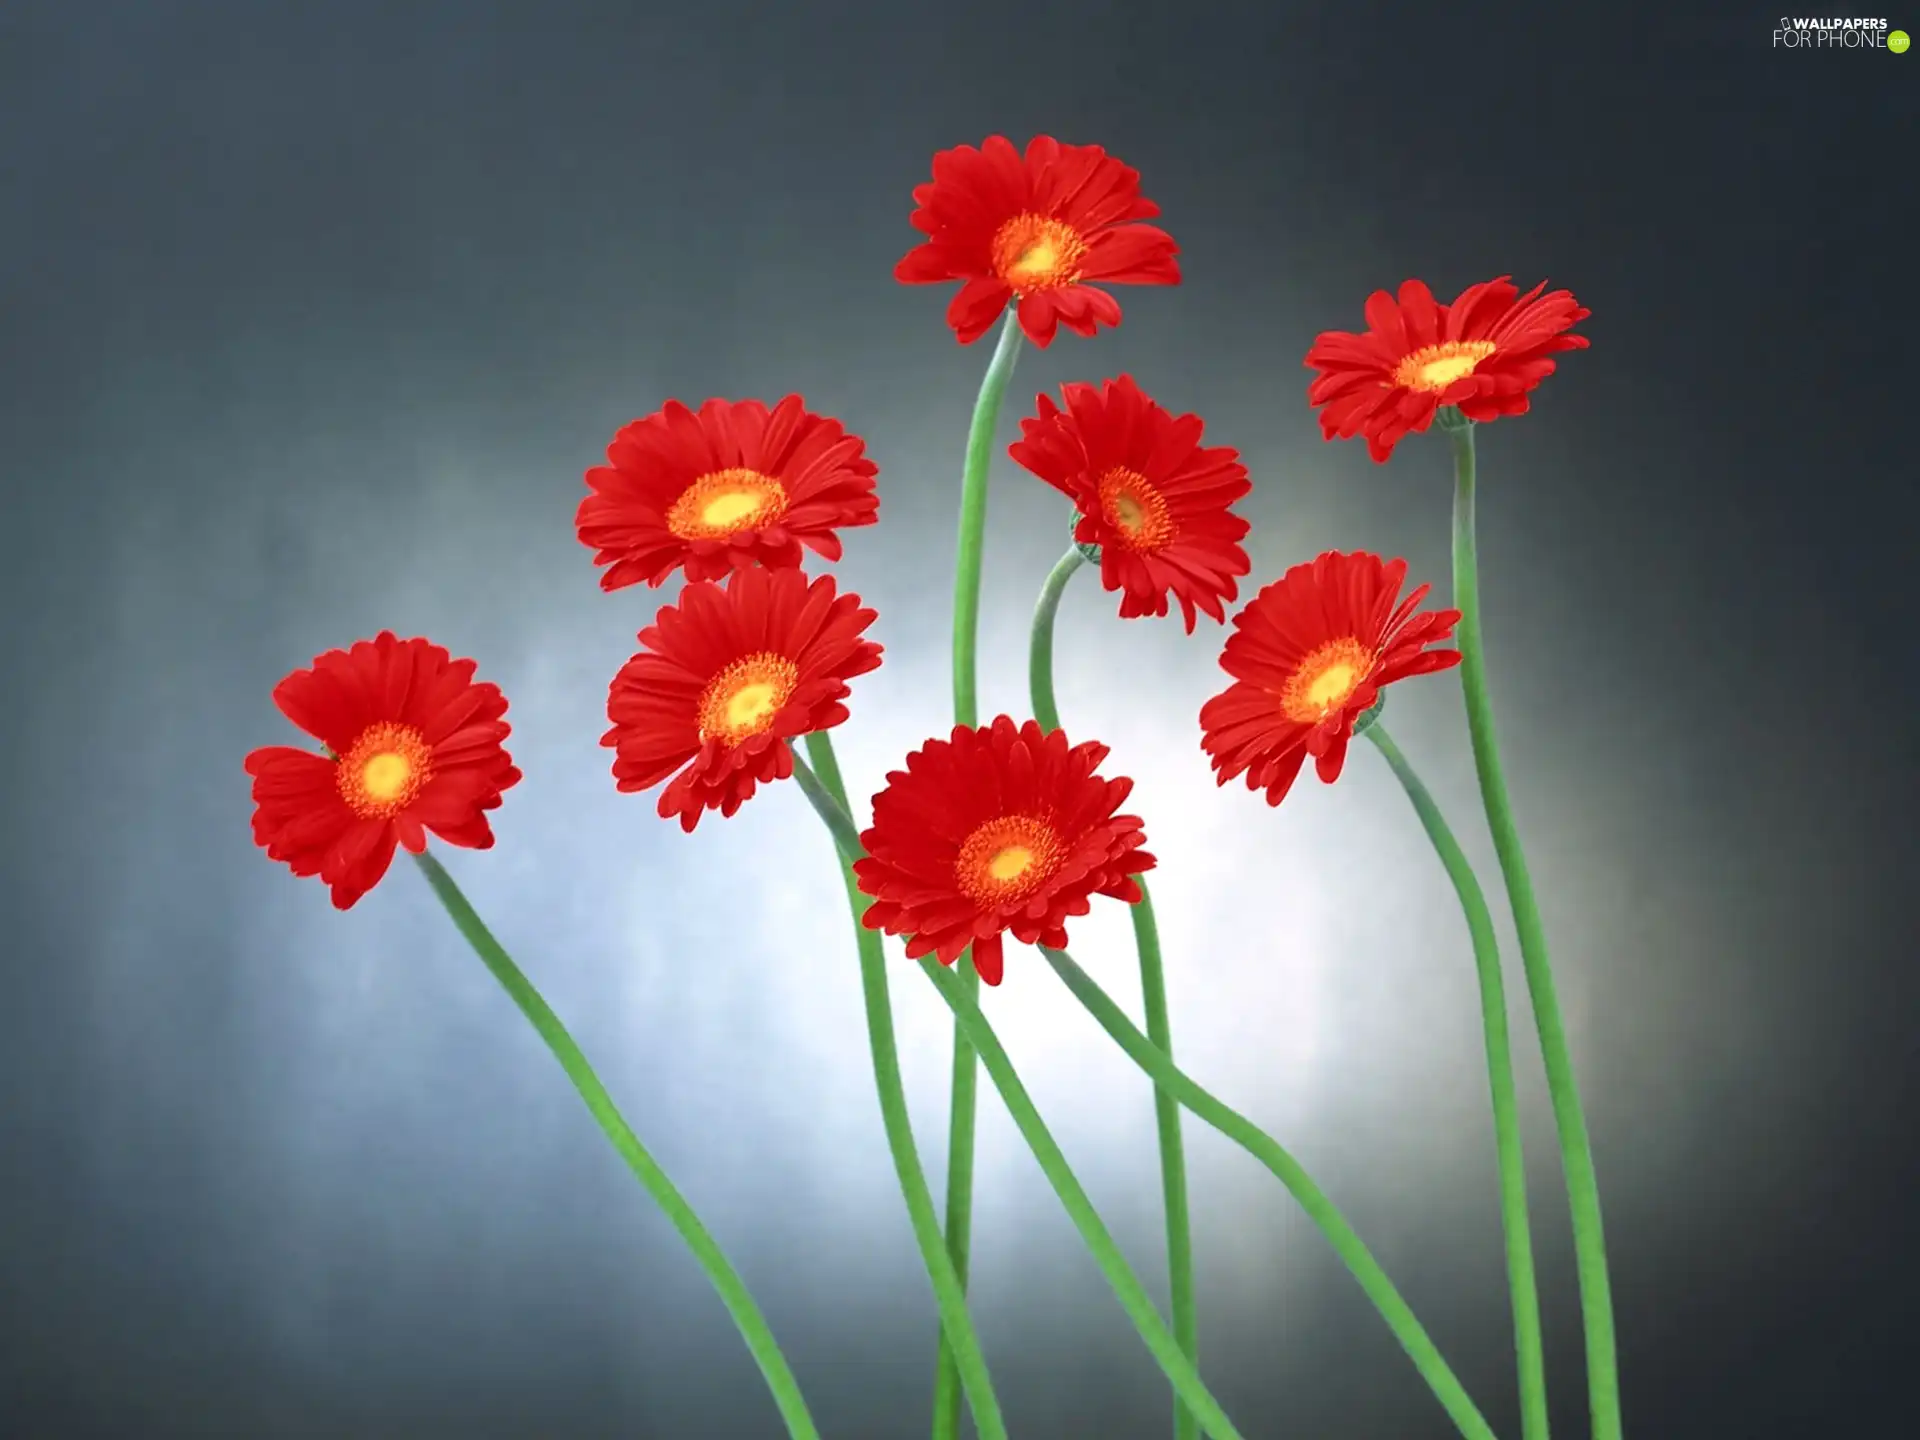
[(310, 320)]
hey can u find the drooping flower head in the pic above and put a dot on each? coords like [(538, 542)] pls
[(730, 486), (1149, 495), (1482, 353), (1309, 654), (725, 679), (415, 746), (1038, 227), (997, 829)]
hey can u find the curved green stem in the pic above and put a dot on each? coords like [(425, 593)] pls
[(1506, 1108), (733, 1291), (1153, 992), (1263, 1147), (1576, 1151), (1053, 1164), (828, 794), (964, 1105), (1040, 647)]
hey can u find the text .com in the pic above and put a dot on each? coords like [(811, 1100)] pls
[(1849, 34)]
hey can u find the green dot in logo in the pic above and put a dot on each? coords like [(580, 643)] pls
[(1897, 41)]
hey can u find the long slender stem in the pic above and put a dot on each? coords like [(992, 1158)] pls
[(1576, 1151), (1173, 1153), (733, 1290), (1040, 645), (828, 794), (964, 1104), (1263, 1147), (1180, 1370), (1053, 1164), (1153, 991), (1525, 1292), (973, 521)]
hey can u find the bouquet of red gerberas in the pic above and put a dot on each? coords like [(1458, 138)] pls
[(1007, 829)]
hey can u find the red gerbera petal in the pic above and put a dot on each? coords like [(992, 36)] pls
[(1037, 227), (1310, 653), (731, 486), (1149, 494), (725, 679), (997, 829), (1483, 354), (416, 746)]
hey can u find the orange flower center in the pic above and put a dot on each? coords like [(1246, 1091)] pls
[(1134, 508), (725, 502), (1325, 679), (1032, 252), (1435, 367), (383, 770), (742, 699), (1007, 858)]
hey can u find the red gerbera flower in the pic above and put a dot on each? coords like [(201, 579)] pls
[(726, 678), (732, 486), (1311, 653), (1482, 353), (415, 746), (1000, 828), (1038, 227), (1149, 495)]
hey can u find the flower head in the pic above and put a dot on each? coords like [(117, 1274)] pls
[(1148, 493), (1037, 227), (997, 829), (717, 490), (415, 745), (725, 679), (1482, 353), (1310, 654)]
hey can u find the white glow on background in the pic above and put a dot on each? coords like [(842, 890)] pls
[(719, 966), (259, 409), (1319, 973), (407, 1149)]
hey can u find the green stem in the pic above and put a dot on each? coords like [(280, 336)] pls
[(1180, 1370), (1263, 1147), (1173, 1156), (1153, 991), (1053, 1164), (1506, 1108), (733, 1291), (964, 1104), (820, 782), (973, 520), (1576, 1152), (1040, 647), (828, 794)]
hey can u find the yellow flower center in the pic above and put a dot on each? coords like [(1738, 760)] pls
[(1006, 859), (1134, 508), (1325, 679), (1032, 252), (742, 699), (726, 502), (1435, 367), (382, 771), (1010, 863)]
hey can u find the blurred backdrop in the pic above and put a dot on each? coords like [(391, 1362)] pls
[(311, 318)]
